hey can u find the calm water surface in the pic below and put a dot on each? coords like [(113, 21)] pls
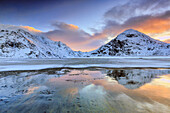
[(95, 90)]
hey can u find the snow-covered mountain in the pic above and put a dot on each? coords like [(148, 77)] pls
[(132, 43), (18, 43)]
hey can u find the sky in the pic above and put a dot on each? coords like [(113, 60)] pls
[(87, 24)]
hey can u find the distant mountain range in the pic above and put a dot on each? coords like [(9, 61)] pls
[(20, 43)]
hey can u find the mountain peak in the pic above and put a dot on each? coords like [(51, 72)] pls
[(131, 34), (131, 31), (133, 43)]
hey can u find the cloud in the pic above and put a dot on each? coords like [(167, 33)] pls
[(64, 26), (149, 24), (74, 37), (153, 25), (14, 27), (31, 29), (167, 40), (69, 34), (133, 8), (151, 17), (156, 26), (148, 16)]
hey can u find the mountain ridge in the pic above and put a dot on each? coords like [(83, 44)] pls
[(16, 42), (130, 43)]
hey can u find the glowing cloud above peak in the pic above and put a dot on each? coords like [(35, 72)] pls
[(65, 26), (31, 29), (73, 26)]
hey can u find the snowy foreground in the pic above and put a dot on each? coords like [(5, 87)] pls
[(85, 85), (114, 62)]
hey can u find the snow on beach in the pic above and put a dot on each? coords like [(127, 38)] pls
[(114, 62)]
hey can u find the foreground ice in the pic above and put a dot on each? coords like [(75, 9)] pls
[(114, 62), (119, 84), (92, 90)]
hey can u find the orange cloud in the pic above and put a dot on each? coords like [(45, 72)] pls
[(71, 26), (154, 26), (65, 26), (167, 40), (76, 45), (31, 29)]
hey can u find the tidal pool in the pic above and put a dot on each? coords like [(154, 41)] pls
[(90, 90)]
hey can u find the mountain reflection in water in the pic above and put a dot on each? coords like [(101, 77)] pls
[(85, 90)]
